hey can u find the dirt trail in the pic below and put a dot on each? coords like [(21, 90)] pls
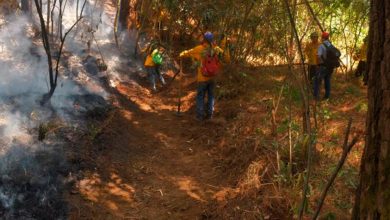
[(147, 163), (153, 164)]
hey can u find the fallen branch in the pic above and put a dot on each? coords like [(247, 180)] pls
[(346, 149)]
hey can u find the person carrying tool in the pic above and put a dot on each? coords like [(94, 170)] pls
[(311, 55), (152, 65), (206, 58)]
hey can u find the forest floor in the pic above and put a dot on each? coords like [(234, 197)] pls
[(147, 162), (140, 159), (144, 161)]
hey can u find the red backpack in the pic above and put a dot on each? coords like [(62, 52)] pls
[(210, 64)]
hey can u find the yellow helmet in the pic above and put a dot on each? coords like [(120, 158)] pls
[(314, 35)]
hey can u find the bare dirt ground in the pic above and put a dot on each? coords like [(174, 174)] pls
[(148, 163), (153, 163)]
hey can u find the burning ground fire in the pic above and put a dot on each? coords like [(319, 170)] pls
[(35, 174)]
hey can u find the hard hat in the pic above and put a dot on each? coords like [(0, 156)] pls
[(325, 35), (314, 34), (208, 36)]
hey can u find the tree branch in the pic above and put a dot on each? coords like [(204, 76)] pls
[(63, 38), (314, 15)]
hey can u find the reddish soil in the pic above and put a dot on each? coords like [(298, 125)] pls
[(150, 163), (153, 164)]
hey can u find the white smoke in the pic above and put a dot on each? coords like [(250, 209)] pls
[(23, 82)]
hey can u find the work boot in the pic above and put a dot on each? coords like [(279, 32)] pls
[(199, 118), (325, 99), (209, 116)]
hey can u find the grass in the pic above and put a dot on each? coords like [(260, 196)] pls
[(46, 127), (361, 107), (261, 87), (353, 90)]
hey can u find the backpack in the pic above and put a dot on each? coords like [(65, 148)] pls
[(332, 57), (157, 58), (210, 64)]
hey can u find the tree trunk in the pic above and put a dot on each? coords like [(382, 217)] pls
[(48, 15), (124, 14), (373, 195), (25, 5)]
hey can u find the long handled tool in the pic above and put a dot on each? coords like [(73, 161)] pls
[(102, 65), (170, 81), (179, 94)]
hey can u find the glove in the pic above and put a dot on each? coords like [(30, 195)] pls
[(182, 54)]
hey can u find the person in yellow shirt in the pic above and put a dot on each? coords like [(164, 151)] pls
[(152, 68), (361, 68), (205, 84), (311, 55)]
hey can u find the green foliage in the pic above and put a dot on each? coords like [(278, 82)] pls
[(286, 177), (329, 216), (237, 83), (344, 205), (362, 107), (353, 90), (93, 131), (326, 113), (294, 93), (260, 29), (45, 128), (349, 176), (283, 127), (334, 137)]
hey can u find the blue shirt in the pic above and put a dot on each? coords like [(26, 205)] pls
[(322, 51)]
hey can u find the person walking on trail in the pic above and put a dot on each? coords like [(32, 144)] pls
[(206, 58), (362, 57), (311, 50), (152, 65), (328, 59)]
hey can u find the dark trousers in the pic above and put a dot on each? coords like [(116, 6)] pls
[(203, 88), (323, 74), (312, 72), (154, 73)]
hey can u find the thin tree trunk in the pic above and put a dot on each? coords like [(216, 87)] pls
[(238, 50), (314, 15), (124, 14), (306, 114), (46, 45), (48, 15), (25, 5), (116, 21), (53, 73)]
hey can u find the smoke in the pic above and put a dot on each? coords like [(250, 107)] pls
[(32, 183), (34, 174)]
